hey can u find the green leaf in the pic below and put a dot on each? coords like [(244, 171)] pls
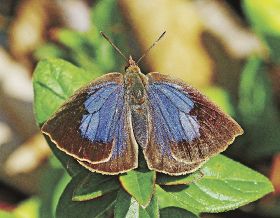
[(55, 80), (68, 162), (95, 185), (52, 183), (103, 14), (226, 185), (273, 43), (98, 207), (28, 208), (81, 51), (139, 184), (163, 179), (128, 207), (258, 111), (264, 17), (106, 17), (6, 214), (176, 212), (221, 98), (48, 50)]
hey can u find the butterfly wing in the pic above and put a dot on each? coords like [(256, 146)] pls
[(190, 127), (86, 126), (158, 153), (125, 152)]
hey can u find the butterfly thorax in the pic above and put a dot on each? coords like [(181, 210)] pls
[(135, 83)]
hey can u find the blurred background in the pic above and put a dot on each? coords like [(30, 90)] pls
[(230, 50)]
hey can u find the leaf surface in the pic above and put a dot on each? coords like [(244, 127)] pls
[(139, 184), (128, 207), (98, 207), (95, 185), (176, 212), (226, 185)]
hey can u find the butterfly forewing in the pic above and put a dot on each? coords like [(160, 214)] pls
[(85, 126), (192, 127)]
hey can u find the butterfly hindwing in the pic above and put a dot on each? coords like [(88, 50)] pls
[(125, 152), (85, 126), (158, 153), (188, 127)]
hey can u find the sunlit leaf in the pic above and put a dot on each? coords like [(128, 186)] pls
[(264, 17), (226, 185), (28, 208), (6, 214), (128, 207), (140, 184), (55, 80), (221, 98)]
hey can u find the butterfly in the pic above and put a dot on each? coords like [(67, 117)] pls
[(105, 124)]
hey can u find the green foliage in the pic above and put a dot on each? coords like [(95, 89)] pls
[(162, 179), (225, 185), (127, 207), (98, 207), (90, 50), (176, 212), (51, 81), (221, 98), (264, 17), (94, 185), (27, 209), (5, 214), (48, 50), (52, 184), (258, 111), (139, 184)]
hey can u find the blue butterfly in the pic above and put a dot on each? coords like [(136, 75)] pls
[(104, 123)]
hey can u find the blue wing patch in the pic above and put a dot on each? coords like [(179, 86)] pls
[(170, 123), (170, 109), (125, 150), (103, 105)]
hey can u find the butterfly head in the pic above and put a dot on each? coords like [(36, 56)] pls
[(132, 66)]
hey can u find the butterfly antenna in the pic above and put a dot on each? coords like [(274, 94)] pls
[(114, 46), (148, 50)]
